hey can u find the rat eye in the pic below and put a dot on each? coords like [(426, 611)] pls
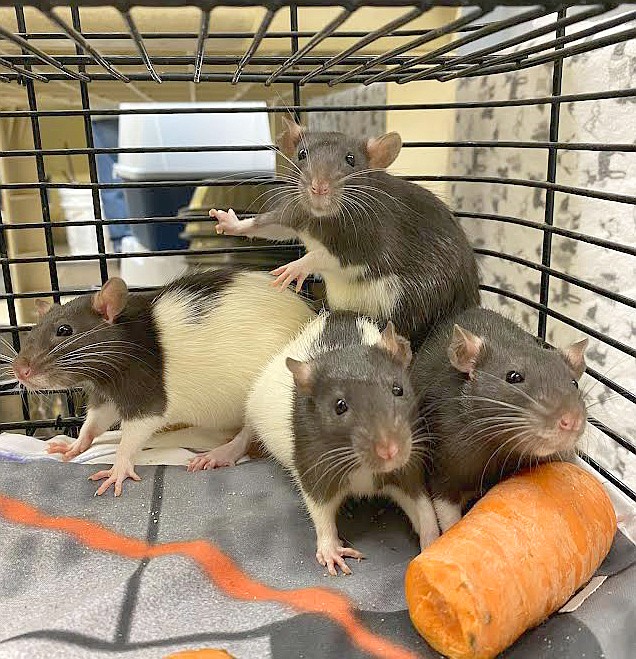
[(302, 154), (64, 330), (513, 377), (341, 406), (397, 390), (351, 159), (575, 383)]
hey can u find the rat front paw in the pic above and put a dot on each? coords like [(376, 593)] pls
[(333, 554), (116, 475), (286, 274), (70, 451), (227, 222)]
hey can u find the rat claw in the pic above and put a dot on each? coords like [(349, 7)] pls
[(116, 475)]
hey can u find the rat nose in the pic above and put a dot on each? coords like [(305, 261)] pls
[(570, 421), (387, 449), (22, 369), (319, 187)]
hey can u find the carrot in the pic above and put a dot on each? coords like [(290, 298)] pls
[(524, 549), (204, 653)]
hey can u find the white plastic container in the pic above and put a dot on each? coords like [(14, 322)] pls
[(148, 270), (77, 205), (204, 129)]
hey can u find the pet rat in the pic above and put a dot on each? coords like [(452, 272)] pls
[(336, 409), (493, 400), (385, 247), (187, 353)]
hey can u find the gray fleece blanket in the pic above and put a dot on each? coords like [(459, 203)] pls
[(225, 560)]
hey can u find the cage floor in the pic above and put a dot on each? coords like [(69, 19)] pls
[(239, 573)]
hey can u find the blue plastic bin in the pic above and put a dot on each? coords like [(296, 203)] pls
[(158, 202)]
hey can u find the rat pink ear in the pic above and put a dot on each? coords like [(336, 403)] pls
[(464, 350), (303, 376), (111, 300), (42, 307), (397, 345), (382, 151), (290, 137), (575, 357)]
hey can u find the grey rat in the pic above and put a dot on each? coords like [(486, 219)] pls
[(187, 353), (493, 401), (336, 409), (385, 247)]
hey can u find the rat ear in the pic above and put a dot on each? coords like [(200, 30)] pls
[(397, 345), (41, 308), (290, 137), (382, 151), (303, 376), (464, 349), (575, 357), (111, 300)]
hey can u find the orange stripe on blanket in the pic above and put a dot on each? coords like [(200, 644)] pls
[(219, 568)]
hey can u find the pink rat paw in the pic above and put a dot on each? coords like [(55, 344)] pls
[(286, 274), (70, 451), (116, 476), (227, 222), (333, 554)]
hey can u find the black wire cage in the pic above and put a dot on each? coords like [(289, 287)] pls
[(498, 103)]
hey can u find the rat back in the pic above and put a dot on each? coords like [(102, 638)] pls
[(216, 339)]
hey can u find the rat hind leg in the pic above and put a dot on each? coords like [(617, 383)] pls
[(226, 455)]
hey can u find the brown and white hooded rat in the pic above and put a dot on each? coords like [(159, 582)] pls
[(336, 409), (493, 400), (185, 354), (385, 247)]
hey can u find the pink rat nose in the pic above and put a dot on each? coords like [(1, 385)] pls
[(319, 187), (570, 421), (22, 370), (387, 449)]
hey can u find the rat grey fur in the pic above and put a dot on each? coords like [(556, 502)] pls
[(483, 427)]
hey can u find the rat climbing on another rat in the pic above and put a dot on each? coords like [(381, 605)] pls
[(336, 409), (385, 247), (187, 353), (493, 401)]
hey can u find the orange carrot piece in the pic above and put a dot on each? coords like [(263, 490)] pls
[(523, 550)]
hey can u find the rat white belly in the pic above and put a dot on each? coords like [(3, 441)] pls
[(353, 288), (212, 360)]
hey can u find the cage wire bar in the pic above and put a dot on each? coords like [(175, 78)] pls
[(299, 67)]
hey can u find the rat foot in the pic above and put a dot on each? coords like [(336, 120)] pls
[(296, 270), (222, 456), (70, 451), (333, 553), (117, 475), (227, 222)]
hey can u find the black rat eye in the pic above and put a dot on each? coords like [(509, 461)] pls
[(351, 159), (514, 377), (575, 383), (397, 390), (302, 154), (341, 406), (64, 330)]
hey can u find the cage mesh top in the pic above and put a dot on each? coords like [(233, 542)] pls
[(83, 60)]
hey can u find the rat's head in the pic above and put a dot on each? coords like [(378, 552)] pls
[(520, 394), (358, 402), (72, 343), (328, 163)]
